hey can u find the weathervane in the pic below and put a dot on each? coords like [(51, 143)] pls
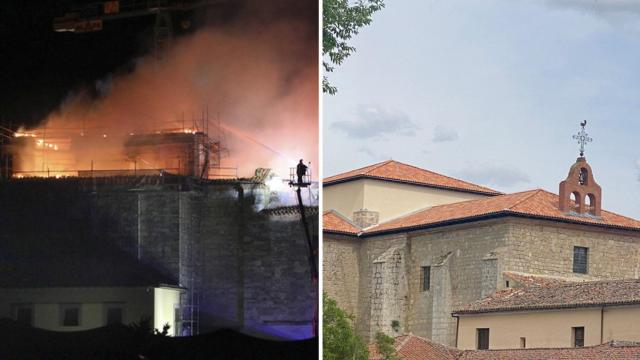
[(582, 137)]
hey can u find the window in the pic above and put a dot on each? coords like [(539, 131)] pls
[(426, 278), (70, 314), (580, 259), (578, 336), (507, 283), (523, 343), (24, 314), (483, 339), (114, 315)]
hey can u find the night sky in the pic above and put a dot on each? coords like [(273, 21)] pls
[(40, 67)]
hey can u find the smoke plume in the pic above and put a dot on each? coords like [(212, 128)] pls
[(256, 76)]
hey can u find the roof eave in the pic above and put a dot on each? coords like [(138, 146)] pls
[(544, 307)]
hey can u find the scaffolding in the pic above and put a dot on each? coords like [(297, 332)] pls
[(178, 149)]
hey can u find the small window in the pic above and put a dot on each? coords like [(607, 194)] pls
[(24, 314), (523, 343), (483, 339), (70, 315), (578, 336), (426, 278), (580, 259), (507, 283), (114, 315)]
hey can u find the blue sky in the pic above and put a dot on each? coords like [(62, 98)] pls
[(491, 91)]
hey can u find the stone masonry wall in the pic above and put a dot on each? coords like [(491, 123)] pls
[(245, 270), (455, 255), (370, 250), (466, 263), (389, 297), (546, 248), (340, 270)]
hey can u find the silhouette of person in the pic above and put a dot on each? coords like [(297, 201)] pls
[(301, 170)]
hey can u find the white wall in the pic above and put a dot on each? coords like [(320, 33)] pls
[(137, 302)]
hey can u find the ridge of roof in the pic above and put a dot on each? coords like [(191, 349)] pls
[(438, 181), (530, 203)]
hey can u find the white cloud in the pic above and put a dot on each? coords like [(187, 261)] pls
[(599, 6), (493, 175), (442, 134), (373, 121)]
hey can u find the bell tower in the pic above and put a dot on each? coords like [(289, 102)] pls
[(580, 184)]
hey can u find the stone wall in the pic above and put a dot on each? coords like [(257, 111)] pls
[(340, 270), (466, 262), (546, 248), (242, 268)]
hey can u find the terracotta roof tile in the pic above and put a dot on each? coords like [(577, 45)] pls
[(608, 351), (396, 171), (558, 295), (534, 203), (333, 222), (410, 347)]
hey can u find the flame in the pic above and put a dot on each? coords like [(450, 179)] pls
[(259, 81)]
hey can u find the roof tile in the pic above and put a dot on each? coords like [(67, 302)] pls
[(533, 203), (396, 171), (333, 222), (558, 295), (410, 347)]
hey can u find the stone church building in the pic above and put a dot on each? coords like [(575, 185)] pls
[(405, 247)]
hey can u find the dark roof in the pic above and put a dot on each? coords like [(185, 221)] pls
[(398, 172), (100, 269), (290, 210), (411, 347), (537, 204), (558, 295)]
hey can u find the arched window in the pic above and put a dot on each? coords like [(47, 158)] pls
[(583, 178), (590, 203), (576, 199)]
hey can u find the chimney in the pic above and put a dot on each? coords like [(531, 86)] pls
[(365, 218)]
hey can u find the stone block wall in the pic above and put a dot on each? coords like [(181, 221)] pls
[(542, 247), (455, 255), (466, 263), (341, 276), (244, 269)]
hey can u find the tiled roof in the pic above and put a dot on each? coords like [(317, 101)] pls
[(558, 296), (289, 210), (333, 222), (534, 203), (410, 347), (527, 279), (608, 351), (398, 172)]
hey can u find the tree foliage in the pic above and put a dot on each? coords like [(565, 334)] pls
[(384, 343), (341, 21), (340, 342)]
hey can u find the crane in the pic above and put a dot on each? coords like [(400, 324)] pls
[(91, 17)]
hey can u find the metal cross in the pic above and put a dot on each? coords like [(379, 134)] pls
[(582, 137)]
